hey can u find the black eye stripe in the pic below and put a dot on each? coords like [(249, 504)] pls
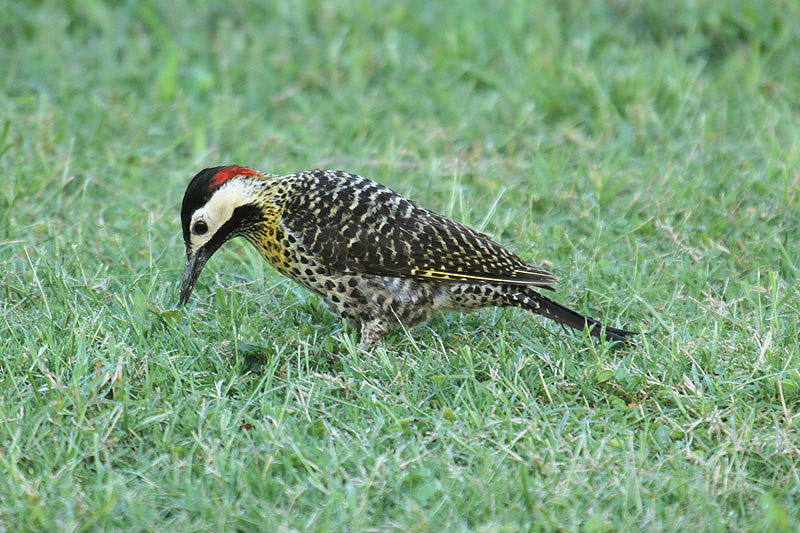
[(200, 227)]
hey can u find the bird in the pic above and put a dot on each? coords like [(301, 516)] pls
[(377, 259)]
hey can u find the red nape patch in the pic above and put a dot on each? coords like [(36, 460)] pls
[(226, 173)]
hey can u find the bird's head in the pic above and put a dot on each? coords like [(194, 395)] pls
[(219, 204)]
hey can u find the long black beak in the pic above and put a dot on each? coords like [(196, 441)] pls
[(195, 261), (191, 271)]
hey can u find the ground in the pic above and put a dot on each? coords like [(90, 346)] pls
[(646, 153)]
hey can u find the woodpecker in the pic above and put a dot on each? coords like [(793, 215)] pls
[(376, 258)]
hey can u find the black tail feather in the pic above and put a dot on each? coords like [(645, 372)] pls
[(533, 301)]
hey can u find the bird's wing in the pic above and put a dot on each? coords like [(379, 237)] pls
[(356, 225)]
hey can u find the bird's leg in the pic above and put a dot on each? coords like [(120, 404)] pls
[(372, 331)]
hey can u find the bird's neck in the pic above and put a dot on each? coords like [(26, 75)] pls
[(265, 235)]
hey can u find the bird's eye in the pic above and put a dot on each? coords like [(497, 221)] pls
[(200, 227)]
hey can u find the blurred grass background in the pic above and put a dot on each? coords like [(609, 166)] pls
[(647, 153)]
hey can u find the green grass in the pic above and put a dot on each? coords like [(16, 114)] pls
[(647, 153)]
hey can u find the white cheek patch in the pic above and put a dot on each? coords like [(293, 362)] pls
[(219, 209)]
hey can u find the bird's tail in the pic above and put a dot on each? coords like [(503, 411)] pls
[(537, 303)]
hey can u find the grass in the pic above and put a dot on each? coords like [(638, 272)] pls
[(648, 154)]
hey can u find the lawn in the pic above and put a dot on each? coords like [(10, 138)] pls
[(646, 153)]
